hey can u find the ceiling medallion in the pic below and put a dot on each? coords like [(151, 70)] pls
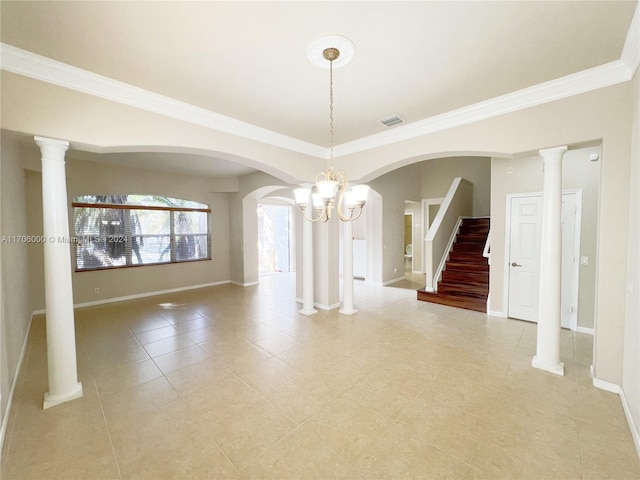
[(347, 50)]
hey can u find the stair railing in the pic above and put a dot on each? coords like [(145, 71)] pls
[(440, 237)]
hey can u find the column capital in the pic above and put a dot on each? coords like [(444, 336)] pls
[(51, 144), (547, 152)]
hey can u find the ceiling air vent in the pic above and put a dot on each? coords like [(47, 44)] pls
[(391, 121)]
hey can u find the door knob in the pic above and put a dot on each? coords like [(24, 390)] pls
[(514, 264)]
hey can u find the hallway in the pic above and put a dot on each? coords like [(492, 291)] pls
[(230, 382)]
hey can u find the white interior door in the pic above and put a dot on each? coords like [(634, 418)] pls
[(524, 257)]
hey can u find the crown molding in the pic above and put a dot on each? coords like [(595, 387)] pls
[(585, 81), (631, 50), (29, 64), (22, 62)]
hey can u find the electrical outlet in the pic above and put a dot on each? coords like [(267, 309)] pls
[(96, 290)]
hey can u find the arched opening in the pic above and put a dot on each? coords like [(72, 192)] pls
[(271, 195)]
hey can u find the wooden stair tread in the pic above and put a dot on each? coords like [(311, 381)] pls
[(468, 303), (465, 278)]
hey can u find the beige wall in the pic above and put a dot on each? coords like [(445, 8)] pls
[(16, 306), (631, 365), (437, 175), (578, 172), (394, 188), (86, 178)]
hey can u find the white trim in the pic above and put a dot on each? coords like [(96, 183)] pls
[(577, 236), (587, 330), (635, 434), (594, 78), (631, 50), (239, 284), (615, 388), (496, 313), (319, 305), (413, 238), (143, 295), (326, 307), (14, 383), (29, 64), (604, 385), (389, 282)]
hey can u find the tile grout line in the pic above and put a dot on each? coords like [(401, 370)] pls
[(106, 424)]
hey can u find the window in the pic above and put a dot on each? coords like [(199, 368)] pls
[(114, 231)]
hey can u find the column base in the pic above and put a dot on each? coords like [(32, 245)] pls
[(348, 311), (557, 369), (53, 400), (308, 312)]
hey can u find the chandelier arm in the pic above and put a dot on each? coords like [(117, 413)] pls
[(358, 215), (322, 176), (321, 218)]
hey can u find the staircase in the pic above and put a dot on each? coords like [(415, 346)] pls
[(465, 278)]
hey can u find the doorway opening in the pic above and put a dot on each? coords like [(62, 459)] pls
[(274, 239), (408, 245)]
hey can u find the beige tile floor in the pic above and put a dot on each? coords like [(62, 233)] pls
[(231, 382)]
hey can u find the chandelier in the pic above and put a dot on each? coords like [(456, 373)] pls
[(331, 190)]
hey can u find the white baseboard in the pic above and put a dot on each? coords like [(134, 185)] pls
[(147, 294), (248, 284), (615, 388), (392, 281), (326, 307), (604, 385), (635, 433), (320, 305), (496, 313), (587, 330), (12, 390)]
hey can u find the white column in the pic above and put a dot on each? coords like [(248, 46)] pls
[(549, 307), (61, 342), (307, 267), (347, 270)]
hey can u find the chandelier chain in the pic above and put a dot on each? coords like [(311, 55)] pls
[(331, 110)]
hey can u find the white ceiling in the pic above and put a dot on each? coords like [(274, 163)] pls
[(247, 60)]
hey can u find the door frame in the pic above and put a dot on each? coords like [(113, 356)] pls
[(413, 237), (576, 249)]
